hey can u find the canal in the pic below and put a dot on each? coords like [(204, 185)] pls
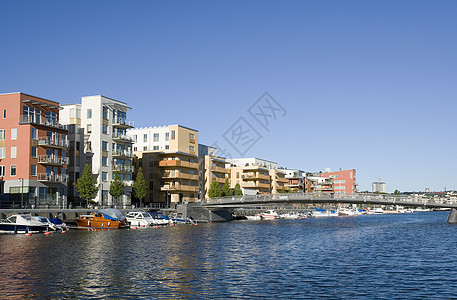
[(371, 257)]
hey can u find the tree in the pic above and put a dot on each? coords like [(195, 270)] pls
[(396, 192), (226, 190), (86, 185), (116, 188), (140, 187), (214, 189), (238, 191), (295, 190)]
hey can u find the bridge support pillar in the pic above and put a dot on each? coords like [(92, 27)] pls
[(452, 218)]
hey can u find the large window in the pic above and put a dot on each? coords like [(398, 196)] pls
[(156, 137), (89, 113), (104, 161), (145, 138), (51, 117), (34, 134), (34, 152), (105, 113), (167, 136), (13, 170), (2, 171), (2, 152), (105, 146), (172, 134), (33, 170), (2, 134)]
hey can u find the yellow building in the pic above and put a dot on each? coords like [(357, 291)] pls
[(168, 156), (214, 167), (252, 179), (278, 181)]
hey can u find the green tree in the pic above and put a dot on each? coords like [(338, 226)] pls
[(295, 190), (116, 188), (214, 189), (396, 192), (238, 191), (86, 185), (140, 187), (226, 190)]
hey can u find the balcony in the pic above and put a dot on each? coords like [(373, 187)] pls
[(179, 175), (25, 119), (122, 168), (282, 180), (179, 188), (220, 170), (255, 176), (123, 124), (118, 138), (49, 142), (178, 163), (219, 180), (255, 185), (52, 160), (62, 178), (122, 154)]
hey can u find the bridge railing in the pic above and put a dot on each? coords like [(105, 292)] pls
[(382, 198)]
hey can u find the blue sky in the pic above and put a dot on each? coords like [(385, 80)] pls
[(369, 85)]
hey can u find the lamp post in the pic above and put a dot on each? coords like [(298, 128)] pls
[(101, 196), (22, 191)]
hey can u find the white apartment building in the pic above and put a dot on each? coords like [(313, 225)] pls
[(104, 143), (252, 161), (155, 138), (378, 187)]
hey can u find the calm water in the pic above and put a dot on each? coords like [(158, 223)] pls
[(371, 257)]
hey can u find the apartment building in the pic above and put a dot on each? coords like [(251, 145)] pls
[(100, 125), (168, 157), (297, 180), (33, 151), (278, 181), (344, 182), (252, 179), (252, 161)]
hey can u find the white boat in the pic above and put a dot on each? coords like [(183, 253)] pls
[(160, 218), (22, 224), (319, 213), (53, 224), (378, 210), (269, 215), (255, 217), (140, 218)]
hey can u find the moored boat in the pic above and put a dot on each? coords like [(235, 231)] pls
[(22, 224), (139, 218), (269, 215), (108, 218)]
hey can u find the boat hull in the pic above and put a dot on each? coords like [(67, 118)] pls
[(88, 222), (17, 228)]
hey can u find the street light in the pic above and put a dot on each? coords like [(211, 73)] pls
[(22, 191)]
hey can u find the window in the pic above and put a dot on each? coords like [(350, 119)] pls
[(151, 162), (104, 161), (89, 113), (155, 148), (13, 134), (167, 147), (2, 171), (34, 134), (33, 170), (89, 128), (104, 176), (105, 146), (167, 136), (72, 113), (2, 152), (4, 114), (2, 134), (191, 148), (135, 148), (105, 129), (51, 118), (172, 134), (34, 155), (151, 173), (13, 152), (145, 148), (191, 136), (13, 170), (151, 185), (156, 137), (135, 138), (105, 113), (145, 138)]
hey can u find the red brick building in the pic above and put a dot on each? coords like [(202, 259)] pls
[(344, 182)]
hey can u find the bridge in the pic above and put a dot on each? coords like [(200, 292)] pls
[(318, 198)]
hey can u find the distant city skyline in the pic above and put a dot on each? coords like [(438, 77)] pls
[(352, 84)]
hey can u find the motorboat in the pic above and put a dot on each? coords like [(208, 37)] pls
[(160, 218), (140, 218), (53, 224), (22, 224), (269, 215), (108, 218), (318, 213), (255, 217)]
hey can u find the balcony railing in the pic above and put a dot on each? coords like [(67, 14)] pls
[(47, 141), (178, 163), (53, 177), (220, 170), (122, 138), (179, 188), (123, 123), (53, 160), (123, 153), (179, 175), (26, 119), (122, 168)]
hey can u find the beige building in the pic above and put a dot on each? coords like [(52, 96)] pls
[(214, 167), (169, 160), (252, 179), (278, 181)]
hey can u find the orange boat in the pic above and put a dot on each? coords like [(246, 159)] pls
[(103, 219)]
